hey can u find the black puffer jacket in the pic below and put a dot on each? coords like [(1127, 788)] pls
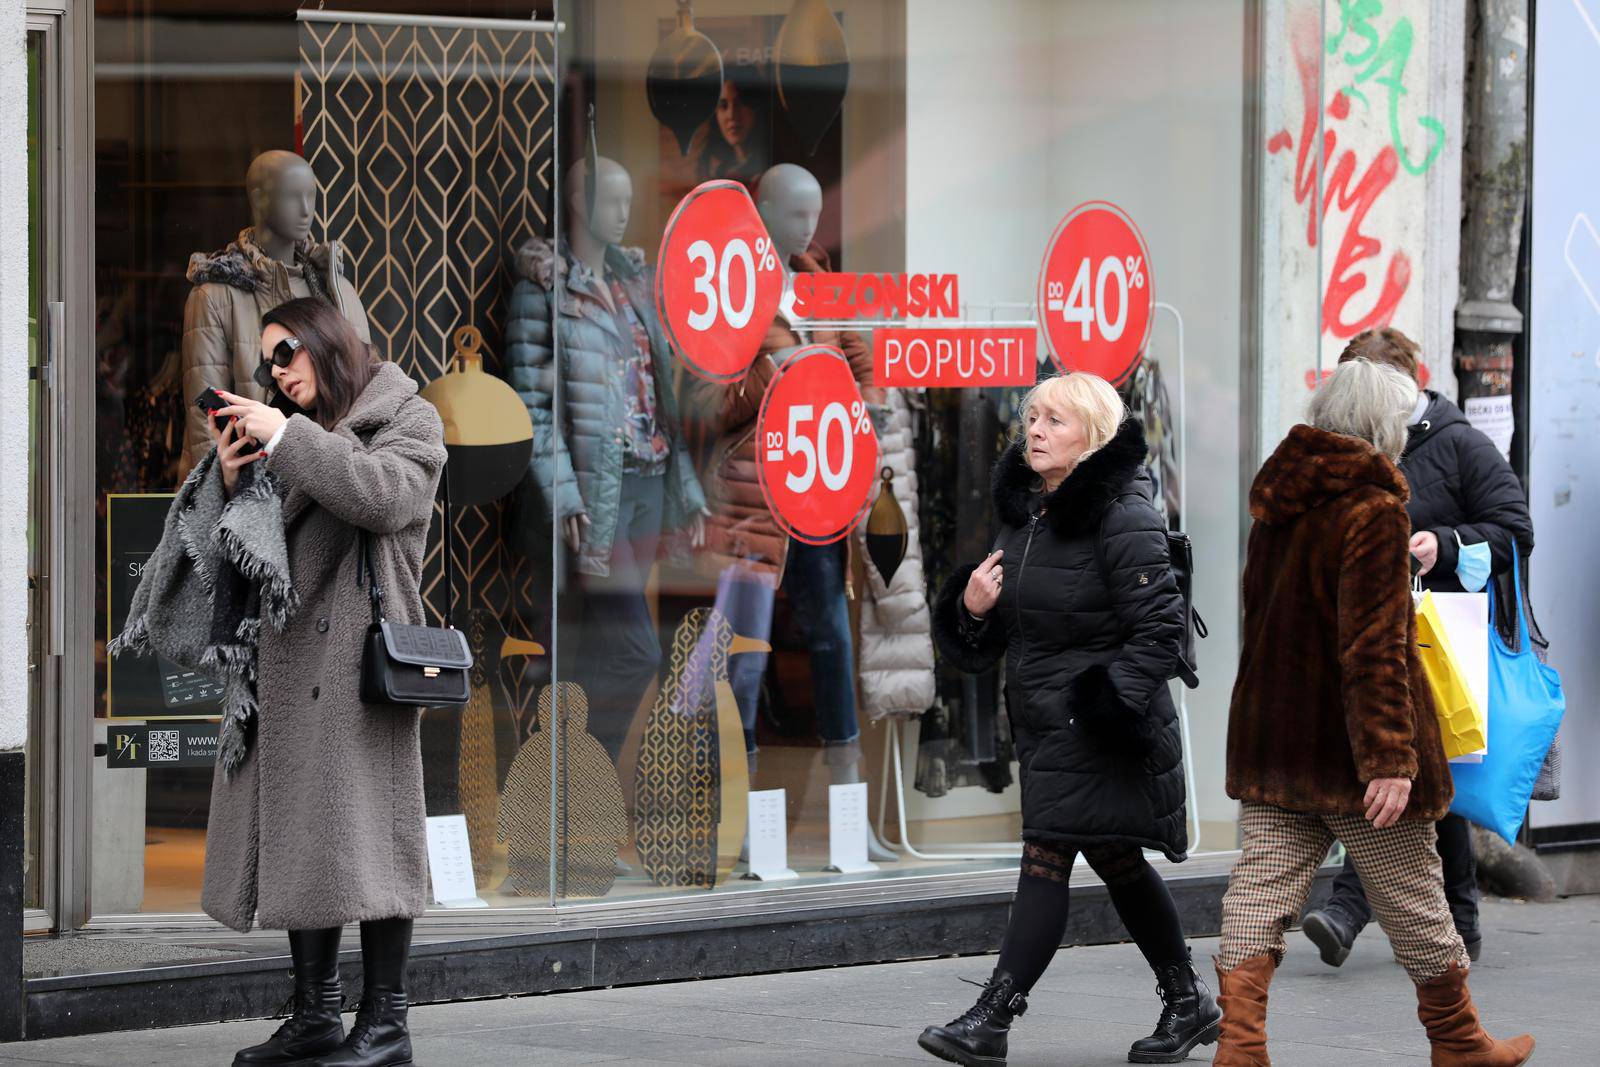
[(1090, 621), (1460, 484)]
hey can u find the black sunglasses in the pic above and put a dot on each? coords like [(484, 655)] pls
[(284, 353)]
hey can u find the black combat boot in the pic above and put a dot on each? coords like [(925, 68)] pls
[(315, 1026), (379, 1037), (1333, 932), (978, 1037), (1189, 1016)]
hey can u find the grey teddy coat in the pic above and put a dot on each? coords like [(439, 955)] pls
[(578, 465), (322, 824)]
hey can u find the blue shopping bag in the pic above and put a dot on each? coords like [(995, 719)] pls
[(1525, 709)]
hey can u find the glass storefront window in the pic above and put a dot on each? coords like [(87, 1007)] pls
[(660, 645)]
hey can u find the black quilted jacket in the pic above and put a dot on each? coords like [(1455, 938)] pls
[(1460, 484), (1090, 622)]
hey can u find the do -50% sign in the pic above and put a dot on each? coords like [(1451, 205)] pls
[(718, 282), (1094, 301), (816, 450)]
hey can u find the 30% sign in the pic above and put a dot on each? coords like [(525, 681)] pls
[(718, 280), (816, 450), (1095, 303)]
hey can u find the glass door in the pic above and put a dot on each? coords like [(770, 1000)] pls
[(40, 662), (58, 755)]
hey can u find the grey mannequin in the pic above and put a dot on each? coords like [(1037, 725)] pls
[(272, 262), (591, 236), (613, 467), (790, 203)]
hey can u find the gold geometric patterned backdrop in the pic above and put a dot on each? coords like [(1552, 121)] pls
[(432, 149)]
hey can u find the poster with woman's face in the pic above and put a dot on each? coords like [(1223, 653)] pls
[(748, 132)]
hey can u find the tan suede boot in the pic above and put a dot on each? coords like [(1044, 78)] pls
[(1242, 994), (1446, 1010)]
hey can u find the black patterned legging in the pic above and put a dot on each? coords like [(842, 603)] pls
[(1039, 916)]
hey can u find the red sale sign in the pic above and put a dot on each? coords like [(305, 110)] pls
[(1096, 295), (718, 281), (954, 358), (816, 450)]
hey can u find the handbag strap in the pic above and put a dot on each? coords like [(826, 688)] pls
[(367, 575)]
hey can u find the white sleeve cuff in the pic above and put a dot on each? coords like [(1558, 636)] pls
[(273, 444)]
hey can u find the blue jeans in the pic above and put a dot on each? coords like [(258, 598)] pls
[(814, 584)]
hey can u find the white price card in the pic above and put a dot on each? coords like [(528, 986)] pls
[(847, 829), (450, 863), (769, 837)]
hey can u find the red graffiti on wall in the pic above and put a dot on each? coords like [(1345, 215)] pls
[(1347, 280)]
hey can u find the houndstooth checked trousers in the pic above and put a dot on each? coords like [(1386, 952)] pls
[(1399, 867)]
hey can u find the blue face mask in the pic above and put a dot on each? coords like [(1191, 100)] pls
[(1472, 565)]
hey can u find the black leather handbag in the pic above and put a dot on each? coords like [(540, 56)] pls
[(410, 666)]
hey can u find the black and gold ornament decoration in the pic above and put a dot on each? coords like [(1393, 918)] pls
[(487, 431), (684, 79), (811, 70), (886, 530)]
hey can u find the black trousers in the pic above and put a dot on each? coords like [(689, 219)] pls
[(1460, 881)]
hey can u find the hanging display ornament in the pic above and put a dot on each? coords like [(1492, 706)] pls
[(886, 530), (684, 79), (811, 70), (487, 431)]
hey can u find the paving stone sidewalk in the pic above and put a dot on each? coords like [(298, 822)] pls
[(1538, 973)]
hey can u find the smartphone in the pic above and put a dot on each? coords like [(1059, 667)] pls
[(211, 401), (1416, 564)]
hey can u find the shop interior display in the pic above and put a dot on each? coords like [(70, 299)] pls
[(589, 812), (615, 469), (272, 262), (811, 69), (691, 797), (684, 78), (488, 435)]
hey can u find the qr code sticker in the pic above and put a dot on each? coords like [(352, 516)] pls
[(163, 746)]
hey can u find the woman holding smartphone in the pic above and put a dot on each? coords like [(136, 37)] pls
[(317, 816)]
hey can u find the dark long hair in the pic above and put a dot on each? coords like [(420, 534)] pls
[(719, 160), (343, 362)]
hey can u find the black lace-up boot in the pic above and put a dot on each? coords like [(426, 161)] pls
[(315, 1027), (379, 1037), (1189, 1016), (978, 1037)]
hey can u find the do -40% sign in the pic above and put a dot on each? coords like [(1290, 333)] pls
[(1094, 300), (816, 450), (718, 281)]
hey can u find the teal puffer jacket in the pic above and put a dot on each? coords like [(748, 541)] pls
[(578, 464)]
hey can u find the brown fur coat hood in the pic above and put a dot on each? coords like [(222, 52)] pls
[(1330, 692)]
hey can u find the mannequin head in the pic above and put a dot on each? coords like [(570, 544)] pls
[(790, 202), (613, 200), (283, 194)]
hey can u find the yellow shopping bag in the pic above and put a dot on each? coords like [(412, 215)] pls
[(1463, 724)]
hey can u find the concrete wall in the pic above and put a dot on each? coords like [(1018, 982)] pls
[(13, 379), (1391, 187)]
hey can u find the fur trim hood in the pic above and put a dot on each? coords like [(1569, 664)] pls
[(536, 261), (1314, 466), (243, 266), (1078, 502)]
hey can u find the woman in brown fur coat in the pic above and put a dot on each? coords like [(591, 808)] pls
[(1332, 732)]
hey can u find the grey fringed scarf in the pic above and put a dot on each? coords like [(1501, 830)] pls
[(221, 569)]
